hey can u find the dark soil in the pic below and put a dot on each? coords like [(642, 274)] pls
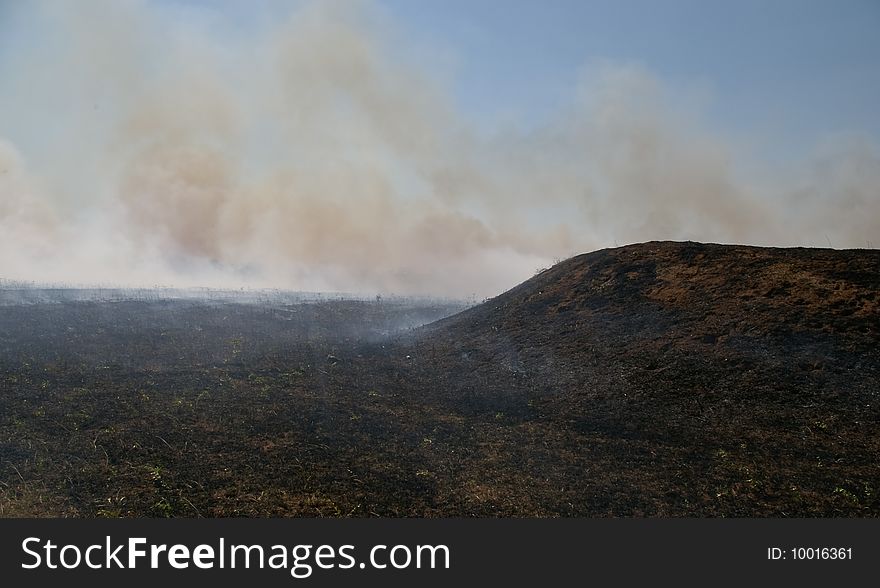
[(662, 379)]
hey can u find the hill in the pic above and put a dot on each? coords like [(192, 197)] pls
[(687, 378)]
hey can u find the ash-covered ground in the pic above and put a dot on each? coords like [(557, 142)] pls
[(662, 379)]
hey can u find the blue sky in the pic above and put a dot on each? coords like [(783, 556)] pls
[(790, 70), (787, 73)]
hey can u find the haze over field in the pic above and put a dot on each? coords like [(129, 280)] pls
[(324, 149)]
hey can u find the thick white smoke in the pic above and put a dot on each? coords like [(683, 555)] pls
[(141, 145)]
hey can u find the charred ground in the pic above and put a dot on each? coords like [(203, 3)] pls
[(675, 379)]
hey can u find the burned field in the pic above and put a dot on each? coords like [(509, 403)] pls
[(663, 379)]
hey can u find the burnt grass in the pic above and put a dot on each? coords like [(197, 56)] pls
[(661, 379)]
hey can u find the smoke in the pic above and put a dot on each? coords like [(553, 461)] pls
[(145, 144)]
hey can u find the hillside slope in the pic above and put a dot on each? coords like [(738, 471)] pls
[(694, 379)]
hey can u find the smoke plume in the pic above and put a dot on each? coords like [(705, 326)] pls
[(142, 145)]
